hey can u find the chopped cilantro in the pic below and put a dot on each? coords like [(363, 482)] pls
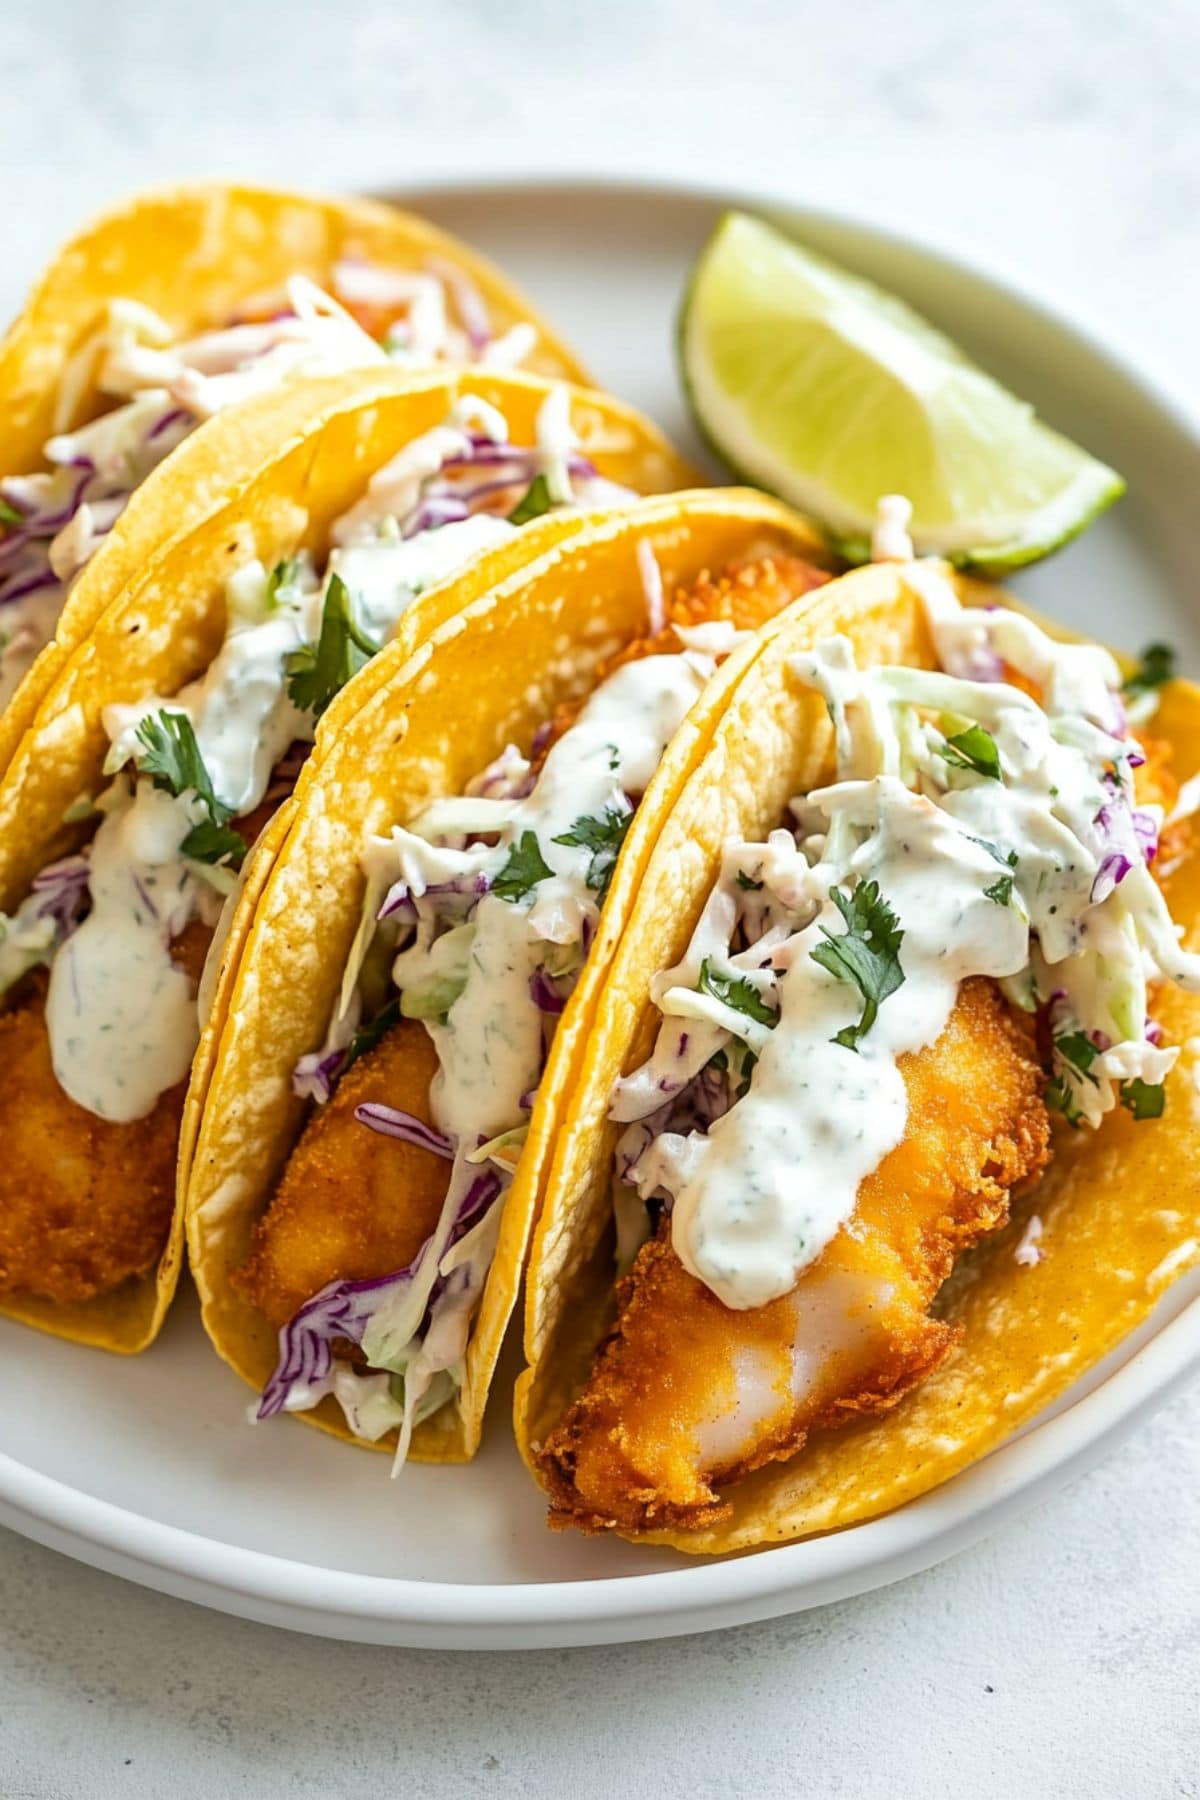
[(9, 514), (533, 502), (1156, 667), (866, 954), (1000, 891), (1007, 859), (973, 749), (736, 991), (171, 757), (1144, 1099), (210, 842), (747, 886), (282, 575), (319, 671), (1077, 1050), (525, 867), (603, 837)]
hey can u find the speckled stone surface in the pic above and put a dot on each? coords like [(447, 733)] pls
[(1060, 144)]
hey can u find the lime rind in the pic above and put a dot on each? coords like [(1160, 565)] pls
[(812, 383)]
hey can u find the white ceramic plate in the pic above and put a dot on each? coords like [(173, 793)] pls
[(148, 1469)]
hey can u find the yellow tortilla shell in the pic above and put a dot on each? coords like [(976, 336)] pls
[(1119, 1206), (488, 677), (196, 255), (164, 629)]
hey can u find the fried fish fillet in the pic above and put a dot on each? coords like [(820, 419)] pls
[(84, 1202), (353, 1204), (688, 1395)]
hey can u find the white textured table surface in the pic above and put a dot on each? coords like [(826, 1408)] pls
[(1061, 144)]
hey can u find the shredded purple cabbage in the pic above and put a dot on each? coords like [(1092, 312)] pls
[(691, 1107), (62, 890), (544, 994), (314, 1076), (1130, 834), (390, 1121), (1145, 829), (499, 781), (177, 416), (25, 547), (398, 902), (1114, 867), (342, 1310), (448, 499)]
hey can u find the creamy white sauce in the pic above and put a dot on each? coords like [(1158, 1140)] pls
[(778, 1175), (760, 1192), (490, 1047), (385, 575), (121, 1016)]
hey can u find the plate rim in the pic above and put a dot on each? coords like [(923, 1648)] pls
[(313, 1598), (710, 1592)]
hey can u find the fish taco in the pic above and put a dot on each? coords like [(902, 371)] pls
[(888, 1131), (419, 977), (170, 737), (177, 306)]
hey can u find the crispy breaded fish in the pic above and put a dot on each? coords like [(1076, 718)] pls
[(689, 1394)]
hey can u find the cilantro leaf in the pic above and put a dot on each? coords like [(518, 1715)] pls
[(533, 503), (1006, 859), (319, 671), (1156, 667), (1077, 1050), (210, 842), (866, 955), (973, 749), (525, 867), (739, 993), (282, 575), (367, 1036), (171, 757), (1144, 1099), (603, 837), (9, 514), (1000, 891), (747, 886)]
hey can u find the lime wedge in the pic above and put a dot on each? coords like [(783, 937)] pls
[(832, 393)]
